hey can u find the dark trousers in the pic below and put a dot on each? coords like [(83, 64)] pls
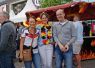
[(6, 61)]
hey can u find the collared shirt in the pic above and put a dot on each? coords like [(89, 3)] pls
[(79, 27), (63, 23), (30, 40), (64, 33)]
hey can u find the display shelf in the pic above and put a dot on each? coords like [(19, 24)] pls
[(89, 37)]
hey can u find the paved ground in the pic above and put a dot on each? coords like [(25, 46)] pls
[(88, 64), (85, 64)]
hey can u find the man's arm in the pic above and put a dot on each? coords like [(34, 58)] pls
[(5, 32), (55, 36)]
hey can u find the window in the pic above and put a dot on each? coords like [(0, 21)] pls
[(18, 6)]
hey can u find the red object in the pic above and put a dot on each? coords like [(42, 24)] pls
[(39, 22), (44, 41), (93, 27), (32, 36), (83, 7), (27, 23), (93, 43), (82, 10)]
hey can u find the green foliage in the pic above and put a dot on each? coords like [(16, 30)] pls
[(48, 3), (67, 0)]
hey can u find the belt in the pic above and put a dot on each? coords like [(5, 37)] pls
[(35, 47), (26, 47)]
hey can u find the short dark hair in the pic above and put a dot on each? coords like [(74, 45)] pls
[(61, 10), (4, 14)]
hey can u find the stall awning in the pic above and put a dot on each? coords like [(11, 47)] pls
[(53, 8), (86, 10)]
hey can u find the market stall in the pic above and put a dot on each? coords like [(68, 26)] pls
[(87, 15)]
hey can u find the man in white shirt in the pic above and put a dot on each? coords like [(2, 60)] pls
[(79, 40)]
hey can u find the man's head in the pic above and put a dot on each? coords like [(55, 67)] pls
[(60, 14), (76, 17), (4, 16)]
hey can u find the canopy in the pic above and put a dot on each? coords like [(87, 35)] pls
[(86, 10), (50, 10), (21, 16)]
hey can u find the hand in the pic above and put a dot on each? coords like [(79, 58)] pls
[(66, 48), (62, 48), (21, 57), (53, 43)]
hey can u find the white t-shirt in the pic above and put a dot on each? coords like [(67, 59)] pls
[(29, 38)]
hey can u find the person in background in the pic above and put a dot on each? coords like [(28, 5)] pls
[(7, 41), (64, 34), (27, 37), (79, 41), (45, 41), (19, 28)]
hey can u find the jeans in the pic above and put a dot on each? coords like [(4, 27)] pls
[(36, 61), (46, 53), (6, 61), (66, 57)]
